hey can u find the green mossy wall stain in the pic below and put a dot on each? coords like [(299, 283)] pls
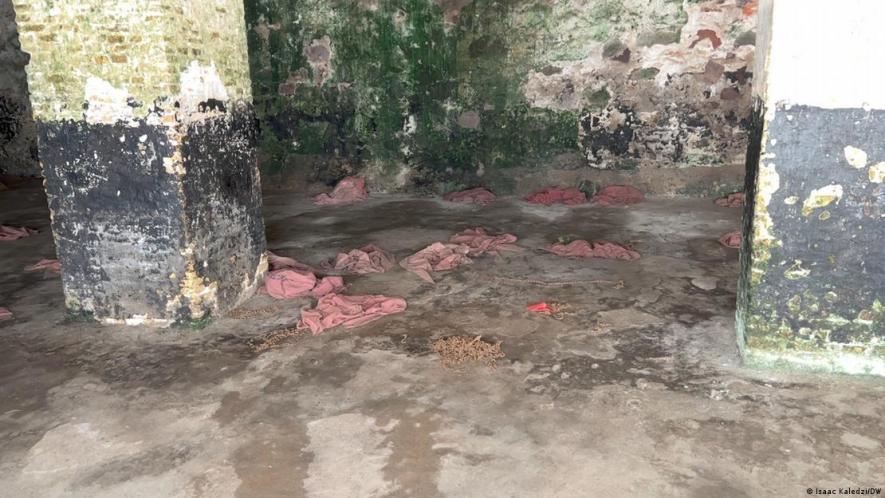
[(404, 73)]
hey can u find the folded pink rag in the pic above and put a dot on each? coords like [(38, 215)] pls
[(618, 195), (275, 262), (731, 239), (5, 314), (734, 200), (290, 279), (557, 195), (480, 242), (350, 189), (584, 249), (436, 257), (368, 259), (45, 264), (13, 233), (351, 311), (477, 195)]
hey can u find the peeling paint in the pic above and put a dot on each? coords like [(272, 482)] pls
[(821, 197), (877, 173), (856, 158)]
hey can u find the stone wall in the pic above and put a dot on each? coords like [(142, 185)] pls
[(147, 142), (18, 136), (440, 94)]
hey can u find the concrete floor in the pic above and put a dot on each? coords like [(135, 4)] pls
[(637, 392)]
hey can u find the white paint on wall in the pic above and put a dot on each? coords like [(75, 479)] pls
[(821, 53), (106, 104), (199, 84)]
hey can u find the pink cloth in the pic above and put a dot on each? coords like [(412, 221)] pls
[(731, 239), (348, 190), (480, 242), (557, 195), (275, 262), (351, 311), (734, 200), (436, 257), (5, 314), (584, 249), (618, 195), (477, 195), (13, 233), (368, 259), (288, 279), (45, 264)]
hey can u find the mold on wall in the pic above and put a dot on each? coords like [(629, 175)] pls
[(436, 95), (18, 134)]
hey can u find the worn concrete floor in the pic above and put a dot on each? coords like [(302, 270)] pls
[(636, 391)]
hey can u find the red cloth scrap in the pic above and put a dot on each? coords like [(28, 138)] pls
[(618, 195), (731, 239), (349, 190), (51, 265), (557, 195), (368, 259), (584, 249), (436, 257), (480, 242), (477, 195), (13, 233), (542, 308), (734, 200), (5, 314), (351, 311)]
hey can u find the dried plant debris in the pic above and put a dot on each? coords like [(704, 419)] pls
[(275, 339), (456, 351), (243, 313)]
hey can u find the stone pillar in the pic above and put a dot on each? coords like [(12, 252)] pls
[(146, 138), (812, 289)]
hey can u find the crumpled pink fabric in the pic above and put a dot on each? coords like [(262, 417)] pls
[(51, 265), (350, 189), (368, 259), (13, 233), (557, 195), (584, 249), (275, 262), (734, 200), (480, 242), (436, 257), (618, 195), (5, 314), (288, 279), (731, 239), (477, 195), (351, 311)]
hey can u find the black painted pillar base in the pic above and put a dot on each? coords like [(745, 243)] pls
[(812, 291), (155, 221)]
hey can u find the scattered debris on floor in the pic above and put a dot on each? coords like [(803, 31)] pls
[(455, 351), (436, 257), (367, 259), (477, 195), (543, 307), (276, 338), (8, 233), (275, 262), (349, 190), (481, 242), (731, 239), (584, 249), (734, 200), (333, 310), (5, 314), (50, 265), (245, 313), (618, 195), (548, 196)]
